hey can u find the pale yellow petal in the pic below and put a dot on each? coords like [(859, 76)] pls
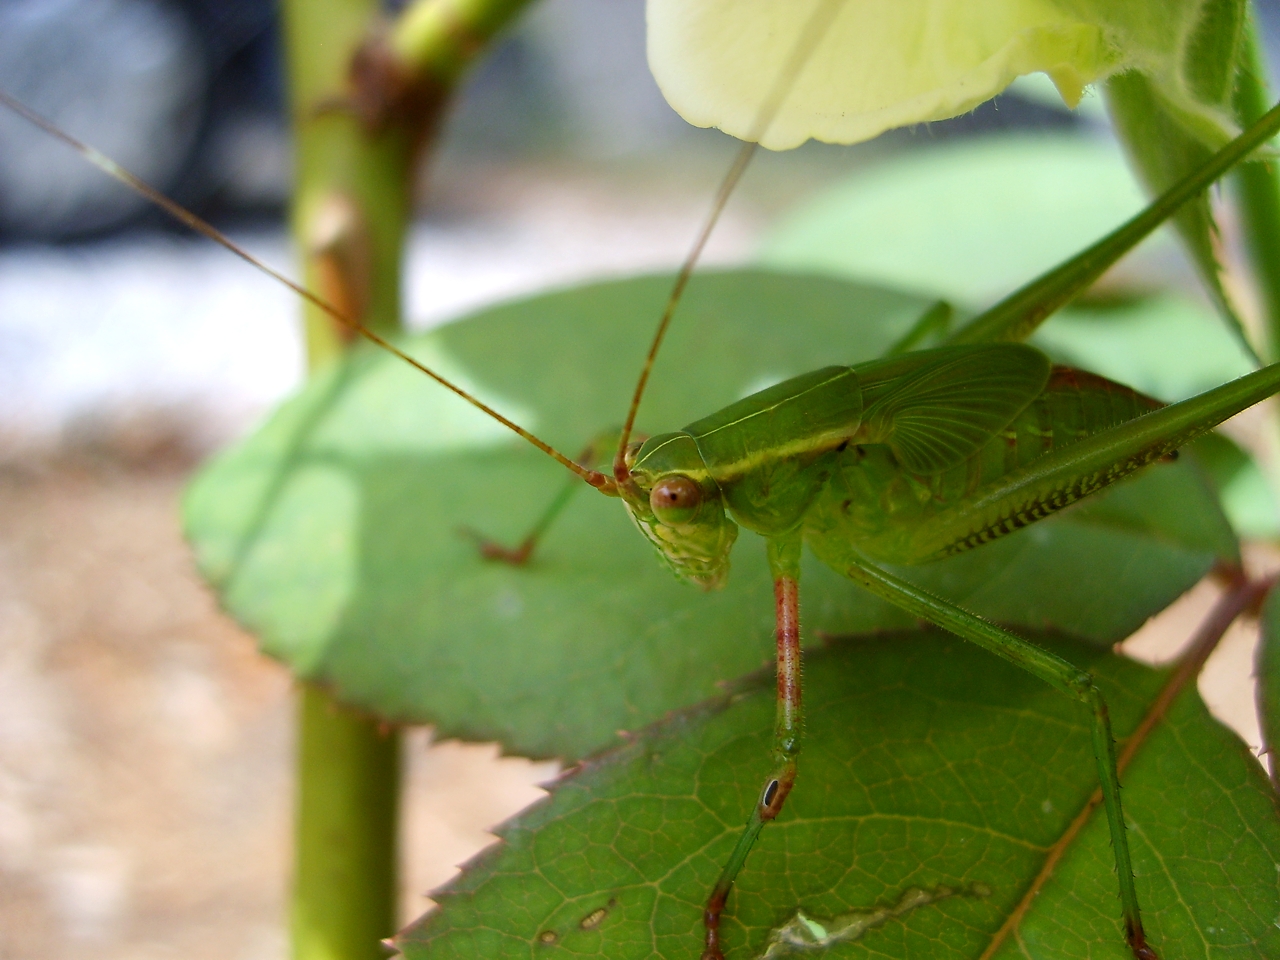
[(888, 63)]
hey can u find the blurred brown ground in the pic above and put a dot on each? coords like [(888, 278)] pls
[(145, 746)]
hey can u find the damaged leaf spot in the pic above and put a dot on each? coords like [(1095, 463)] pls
[(805, 934), (594, 918)]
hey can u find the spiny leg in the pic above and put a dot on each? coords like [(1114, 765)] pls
[(784, 562), (519, 555), (1059, 674)]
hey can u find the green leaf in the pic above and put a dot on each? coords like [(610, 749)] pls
[(1243, 490), (1212, 52), (934, 781), (966, 220), (1163, 150), (333, 533), (1267, 670), (1256, 191)]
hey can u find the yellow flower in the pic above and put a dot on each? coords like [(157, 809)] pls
[(879, 64)]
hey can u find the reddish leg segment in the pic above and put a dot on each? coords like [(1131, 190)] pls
[(784, 559)]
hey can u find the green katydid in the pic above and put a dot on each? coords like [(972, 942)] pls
[(910, 459), (968, 423)]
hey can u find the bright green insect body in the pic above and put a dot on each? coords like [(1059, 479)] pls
[(884, 455), (896, 461), (869, 453), (896, 515)]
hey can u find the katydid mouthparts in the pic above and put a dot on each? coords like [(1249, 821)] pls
[(901, 460)]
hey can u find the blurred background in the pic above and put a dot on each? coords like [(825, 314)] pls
[(144, 745)]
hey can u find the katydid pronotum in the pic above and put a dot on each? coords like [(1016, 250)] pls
[(837, 458)]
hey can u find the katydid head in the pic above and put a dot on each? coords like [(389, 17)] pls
[(679, 508)]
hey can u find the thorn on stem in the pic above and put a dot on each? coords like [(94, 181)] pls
[(341, 250)]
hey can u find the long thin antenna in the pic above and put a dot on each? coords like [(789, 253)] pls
[(813, 32), (108, 166)]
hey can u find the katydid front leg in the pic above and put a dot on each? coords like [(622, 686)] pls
[(1053, 670), (519, 555), (784, 564)]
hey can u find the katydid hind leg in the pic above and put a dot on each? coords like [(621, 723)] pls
[(784, 562), (1059, 674)]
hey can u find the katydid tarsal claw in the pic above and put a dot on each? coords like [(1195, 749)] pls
[(901, 460)]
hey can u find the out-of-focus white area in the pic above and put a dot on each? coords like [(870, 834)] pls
[(146, 325), (98, 336), (145, 747), (1226, 681), (146, 109)]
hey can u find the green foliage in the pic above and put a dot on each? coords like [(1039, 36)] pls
[(333, 533), (935, 780), (1162, 150), (1243, 489), (1257, 192), (964, 219), (1267, 670)]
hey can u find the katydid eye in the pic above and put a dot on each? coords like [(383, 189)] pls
[(675, 500)]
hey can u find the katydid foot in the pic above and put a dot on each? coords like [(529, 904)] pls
[(492, 550), (1138, 943), (772, 797), (519, 555)]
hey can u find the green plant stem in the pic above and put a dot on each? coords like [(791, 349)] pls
[(359, 120), (344, 888), (348, 771), (440, 37), (1258, 194), (335, 160)]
